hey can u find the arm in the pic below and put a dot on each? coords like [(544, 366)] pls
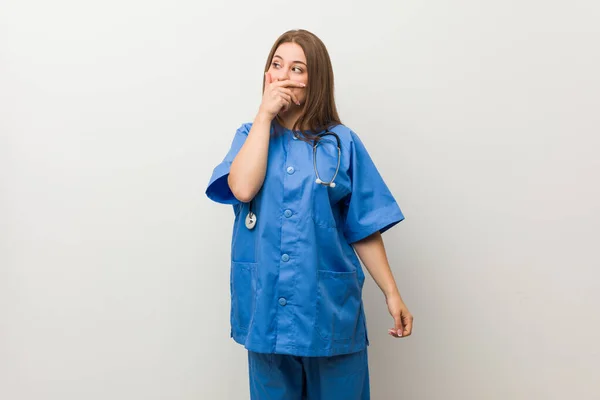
[(372, 253), (249, 167)]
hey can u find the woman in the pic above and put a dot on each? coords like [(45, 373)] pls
[(296, 278)]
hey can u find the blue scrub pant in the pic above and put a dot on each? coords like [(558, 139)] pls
[(285, 377)]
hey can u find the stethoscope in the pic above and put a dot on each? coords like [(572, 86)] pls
[(251, 216)]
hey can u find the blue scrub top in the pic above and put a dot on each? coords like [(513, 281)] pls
[(296, 281)]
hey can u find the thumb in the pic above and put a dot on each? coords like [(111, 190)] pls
[(398, 324), (268, 78)]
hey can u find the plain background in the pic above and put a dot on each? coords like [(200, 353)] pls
[(482, 117)]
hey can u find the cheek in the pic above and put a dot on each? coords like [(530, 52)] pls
[(300, 93)]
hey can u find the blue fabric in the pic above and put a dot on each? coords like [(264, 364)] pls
[(296, 281), (285, 377), (218, 188)]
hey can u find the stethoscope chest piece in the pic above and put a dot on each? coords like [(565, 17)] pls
[(250, 220)]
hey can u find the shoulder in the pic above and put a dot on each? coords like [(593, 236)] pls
[(244, 128), (348, 137)]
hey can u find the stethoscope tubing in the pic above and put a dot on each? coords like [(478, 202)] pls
[(251, 218)]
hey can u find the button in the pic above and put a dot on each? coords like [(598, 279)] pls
[(282, 301), (287, 213), (290, 170), (285, 258)]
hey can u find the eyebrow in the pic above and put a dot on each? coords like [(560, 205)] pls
[(300, 62)]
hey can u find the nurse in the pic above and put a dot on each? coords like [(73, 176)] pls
[(298, 240)]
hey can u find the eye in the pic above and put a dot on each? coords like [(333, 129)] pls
[(298, 69), (275, 64)]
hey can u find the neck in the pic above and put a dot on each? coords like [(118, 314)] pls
[(289, 118)]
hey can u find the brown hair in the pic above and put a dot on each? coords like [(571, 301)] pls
[(319, 111)]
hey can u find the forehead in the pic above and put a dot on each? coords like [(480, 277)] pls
[(290, 52)]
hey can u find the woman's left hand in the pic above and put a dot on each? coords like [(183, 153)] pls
[(403, 319)]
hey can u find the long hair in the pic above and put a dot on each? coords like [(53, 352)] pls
[(319, 111)]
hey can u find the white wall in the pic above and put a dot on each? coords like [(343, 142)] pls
[(482, 116)]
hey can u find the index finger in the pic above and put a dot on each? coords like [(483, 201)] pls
[(289, 82), (268, 78), (408, 327)]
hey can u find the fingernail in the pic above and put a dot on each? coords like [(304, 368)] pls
[(304, 84), (399, 332)]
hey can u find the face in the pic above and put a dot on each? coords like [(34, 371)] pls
[(289, 62)]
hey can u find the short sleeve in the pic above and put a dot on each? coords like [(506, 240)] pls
[(370, 206), (218, 189)]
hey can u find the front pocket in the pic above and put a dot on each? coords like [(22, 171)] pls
[(244, 240), (243, 294), (339, 300)]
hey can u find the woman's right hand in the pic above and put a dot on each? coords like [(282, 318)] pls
[(278, 96)]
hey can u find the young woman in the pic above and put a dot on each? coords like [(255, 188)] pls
[(308, 202)]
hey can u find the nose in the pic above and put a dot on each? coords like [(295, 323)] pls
[(282, 75)]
